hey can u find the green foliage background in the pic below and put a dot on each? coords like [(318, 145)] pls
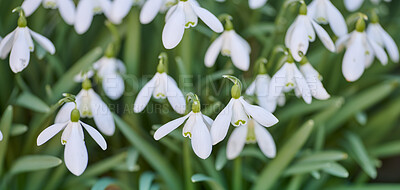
[(335, 144)]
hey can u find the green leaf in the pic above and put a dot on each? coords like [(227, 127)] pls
[(221, 159), (270, 174), (330, 155), (34, 163), (203, 178), (18, 129), (337, 170), (30, 101), (370, 186), (145, 180), (5, 125), (103, 183), (387, 150), (301, 168)]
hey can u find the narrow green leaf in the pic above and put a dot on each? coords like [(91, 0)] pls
[(387, 150), (337, 170), (302, 168), (370, 186), (330, 155), (34, 163), (5, 125), (32, 102), (145, 180), (203, 178), (103, 183), (18, 129), (269, 175), (221, 159)]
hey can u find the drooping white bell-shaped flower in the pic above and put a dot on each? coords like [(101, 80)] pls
[(183, 15), (85, 11), (250, 133), (238, 112), (377, 34), (151, 8), (91, 106), (109, 69), (230, 44), (255, 4), (197, 128), (116, 10), (324, 12), (288, 78), (161, 86), (360, 52), (19, 42), (302, 31), (66, 8), (313, 79), (353, 5), (75, 152)]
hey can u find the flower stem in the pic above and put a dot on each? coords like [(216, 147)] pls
[(237, 174), (187, 164)]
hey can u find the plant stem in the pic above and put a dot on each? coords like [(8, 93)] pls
[(237, 174), (187, 164)]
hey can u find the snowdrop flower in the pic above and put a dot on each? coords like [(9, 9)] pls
[(152, 7), (255, 4), (19, 42), (230, 44), (85, 11), (75, 152), (250, 133), (238, 112), (288, 78), (377, 34), (353, 5), (360, 52), (302, 31), (313, 79), (116, 10), (185, 15), (324, 12), (161, 86), (91, 106), (197, 128), (109, 69), (83, 75), (66, 8)]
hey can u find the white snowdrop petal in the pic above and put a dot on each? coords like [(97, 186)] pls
[(174, 95), (354, 59), (239, 115), (299, 42), (50, 132), (44, 42), (213, 51), (150, 10), (311, 9), (6, 44), (324, 37), (170, 11), (255, 4), (208, 121), (239, 54), (236, 142), (95, 135), (353, 5), (64, 114), (289, 34), (259, 114), (101, 114), (379, 52), (28, 37), (191, 18), (251, 90), (390, 45), (342, 41), (336, 20), (208, 18), (277, 82), (84, 16), (306, 22), (67, 10), (265, 141), (1, 136), (169, 127), (144, 96), (75, 153), (120, 9), (30, 6), (262, 90), (174, 28), (201, 138), (113, 86), (301, 85), (20, 54), (220, 126)]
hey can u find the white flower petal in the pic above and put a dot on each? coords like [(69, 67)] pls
[(289, 34), (50, 132), (299, 42), (1, 136), (150, 10), (236, 142), (354, 59), (305, 21), (64, 114), (259, 114), (213, 51), (174, 95), (201, 138), (324, 37), (277, 82), (44, 42), (208, 18), (265, 141), (66, 133), (170, 126), (353, 5), (113, 86), (379, 52), (67, 10), (390, 45), (120, 9), (255, 4), (75, 153), (336, 20), (30, 6), (174, 28), (312, 9), (101, 114), (312, 77), (170, 11), (239, 54), (262, 89), (95, 135), (342, 41), (251, 90), (28, 38), (187, 128), (208, 121), (220, 126), (239, 115), (191, 18), (144, 96), (20, 54), (6, 44), (84, 16), (301, 85)]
